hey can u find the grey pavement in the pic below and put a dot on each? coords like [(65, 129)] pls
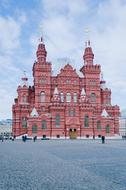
[(63, 165)]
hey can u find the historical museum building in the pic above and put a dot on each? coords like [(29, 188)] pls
[(65, 105)]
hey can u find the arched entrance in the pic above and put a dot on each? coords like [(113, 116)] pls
[(73, 133)]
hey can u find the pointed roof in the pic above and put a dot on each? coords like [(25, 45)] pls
[(34, 113), (56, 92), (83, 93), (68, 70), (104, 113)]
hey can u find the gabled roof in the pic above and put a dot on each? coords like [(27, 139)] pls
[(104, 113), (68, 71), (34, 113)]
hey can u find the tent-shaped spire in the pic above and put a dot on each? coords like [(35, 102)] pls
[(34, 113), (83, 93), (104, 113), (56, 92)]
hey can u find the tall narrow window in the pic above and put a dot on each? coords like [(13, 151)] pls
[(24, 122), (75, 97), (62, 97), (57, 120), (43, 124), (98, 125), (25, 99), (42, 97), (107, 129), (86, 121), (93, 97), (34, 128), (68, 97)]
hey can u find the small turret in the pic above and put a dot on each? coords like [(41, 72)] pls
[(102, 82), (88, 54), (41, 52)]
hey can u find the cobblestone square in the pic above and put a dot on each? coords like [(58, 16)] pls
[(63, 165)]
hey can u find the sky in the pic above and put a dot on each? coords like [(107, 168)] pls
[(62, 25)]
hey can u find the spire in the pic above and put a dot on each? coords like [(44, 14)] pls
[(102, 82), (34, 113), (41, 51), (88, 54), (56, 91), (83, 92), (104, 113), (24, 80)]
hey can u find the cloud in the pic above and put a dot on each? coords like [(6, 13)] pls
[(64, 23)]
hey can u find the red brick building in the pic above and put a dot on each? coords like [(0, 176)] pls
[(66, 105)]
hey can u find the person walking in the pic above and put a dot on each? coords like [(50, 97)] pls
[(103, 139)]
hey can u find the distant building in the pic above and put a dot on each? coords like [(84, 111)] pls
[(6, 128), (122, 124), (65, 105)]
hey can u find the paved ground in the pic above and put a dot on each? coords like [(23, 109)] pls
[(58, 165)]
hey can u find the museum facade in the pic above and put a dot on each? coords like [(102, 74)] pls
[(66, 105)]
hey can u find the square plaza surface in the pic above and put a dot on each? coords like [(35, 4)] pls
[(63, 164)]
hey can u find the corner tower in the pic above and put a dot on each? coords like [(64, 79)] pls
[(42, 78), (91, 74)]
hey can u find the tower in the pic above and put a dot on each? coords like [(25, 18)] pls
[(42, 78), (91, 73)]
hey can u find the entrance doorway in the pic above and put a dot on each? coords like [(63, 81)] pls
[(73, 133)]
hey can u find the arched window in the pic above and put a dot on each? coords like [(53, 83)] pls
[(43, 124), (93, 97), (75, 97), (86, 121), (98, 125), (68, 97), (34, 128), (57, 120), (42, 97), (107, 129), (24, 122), (62, 97)]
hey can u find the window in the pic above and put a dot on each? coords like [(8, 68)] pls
[(86, 121), (75, 97), (107, 129), (24, 122), (62, 97), (42, 97), (93, 97), (34, 128), (43, 124), (98, 125), (57, 120), (24, 99), (68, 97), (71, 112)]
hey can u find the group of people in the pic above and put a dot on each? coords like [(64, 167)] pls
[(24, 138)]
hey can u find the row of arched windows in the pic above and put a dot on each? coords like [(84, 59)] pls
[(68, 97)]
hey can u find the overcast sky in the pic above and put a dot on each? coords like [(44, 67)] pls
[(63, 27)]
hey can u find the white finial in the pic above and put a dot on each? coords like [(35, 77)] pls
[(83, 92), (104, 113), (41, 33), (24, 79), (34, 113), (102, 76), (56, 91), (87, 34)]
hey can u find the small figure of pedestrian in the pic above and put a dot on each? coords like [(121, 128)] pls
[(94, 137), (34, 138), (103, 139), (12, 138), (2, 139)]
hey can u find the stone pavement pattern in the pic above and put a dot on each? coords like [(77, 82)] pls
[(63, 165)]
